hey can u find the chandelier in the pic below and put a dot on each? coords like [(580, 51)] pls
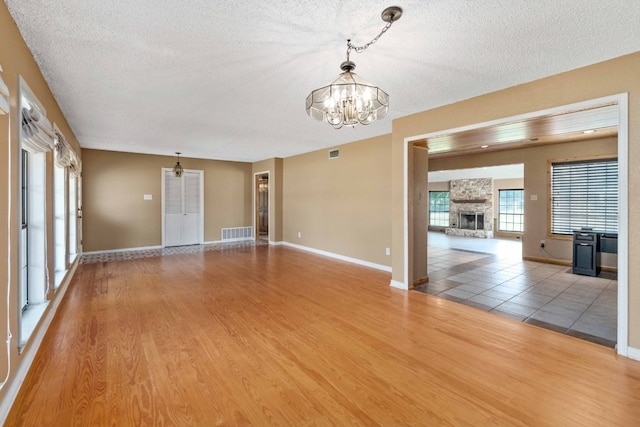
[(350, 100), (178, 169)]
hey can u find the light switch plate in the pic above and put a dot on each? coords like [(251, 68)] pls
[(148, 197)]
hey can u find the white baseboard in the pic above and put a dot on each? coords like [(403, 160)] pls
[(633, 353), (109, 251), (280, 243), (29, 355), (398, 285), (338, 256)]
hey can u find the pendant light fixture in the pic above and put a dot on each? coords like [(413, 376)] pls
[(350, 100), (177, 169)]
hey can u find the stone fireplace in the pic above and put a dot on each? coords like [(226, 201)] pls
[(471, 207)]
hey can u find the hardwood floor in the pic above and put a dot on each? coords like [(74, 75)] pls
[(276, 336)]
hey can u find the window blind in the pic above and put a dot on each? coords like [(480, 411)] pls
[(584, 194)]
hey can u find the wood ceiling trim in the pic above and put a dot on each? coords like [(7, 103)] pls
[(549, 129)]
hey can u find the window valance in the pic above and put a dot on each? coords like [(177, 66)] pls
[(75, 165), (37, 132), (62, 151)]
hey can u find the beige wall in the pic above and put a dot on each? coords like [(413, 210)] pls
[(17, 60), (608, 78), (438, 186), (117, 217), (275, 168), (341, 205)]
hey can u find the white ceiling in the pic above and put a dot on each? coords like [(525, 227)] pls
[(495, 172), (228, 79)]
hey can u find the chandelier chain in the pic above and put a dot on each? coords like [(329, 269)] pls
[(359, 49)]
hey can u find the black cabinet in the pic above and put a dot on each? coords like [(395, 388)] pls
[(609, 243), (586, 253)]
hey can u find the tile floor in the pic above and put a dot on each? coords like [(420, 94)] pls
[(489, 274), (173, 250)]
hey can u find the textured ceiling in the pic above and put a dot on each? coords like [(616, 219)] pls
[(228, 79)]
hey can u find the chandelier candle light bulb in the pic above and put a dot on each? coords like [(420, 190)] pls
[(350, 100)]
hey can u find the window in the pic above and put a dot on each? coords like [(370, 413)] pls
[(36, 140), (59, 224), (584, 194), (24, 213), (439, 208), (511, 210), (72, 210), (24, 180)]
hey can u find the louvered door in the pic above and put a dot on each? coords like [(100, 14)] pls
[(182, 201)]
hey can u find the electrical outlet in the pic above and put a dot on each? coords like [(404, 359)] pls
[(388, 251), (299, 235), (542, 243)]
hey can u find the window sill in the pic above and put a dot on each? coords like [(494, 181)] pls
[(58, 278), (29, 320)]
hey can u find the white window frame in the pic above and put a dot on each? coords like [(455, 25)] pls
[(500, 213), (433, 212), (60, 221), (32, 244), (72, 211)]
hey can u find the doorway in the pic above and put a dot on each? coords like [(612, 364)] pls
[(262, 206), (620, 102), (182, 208)]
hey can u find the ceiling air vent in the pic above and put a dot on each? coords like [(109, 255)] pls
[(334, 154)]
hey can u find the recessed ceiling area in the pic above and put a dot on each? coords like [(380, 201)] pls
[(599, 122), (228, 80)]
